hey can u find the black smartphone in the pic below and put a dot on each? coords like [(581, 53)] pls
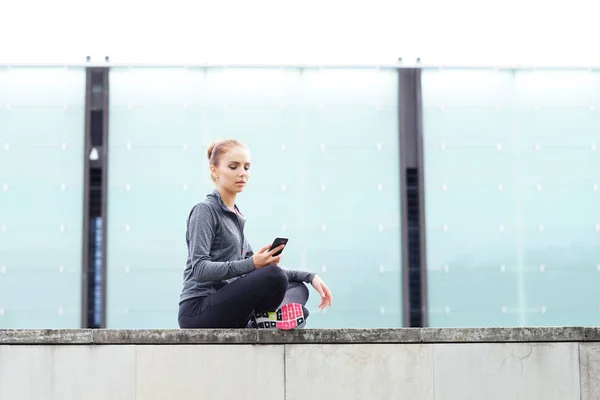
[(276, 243)]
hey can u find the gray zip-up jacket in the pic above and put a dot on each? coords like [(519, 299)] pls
[(218, 251)]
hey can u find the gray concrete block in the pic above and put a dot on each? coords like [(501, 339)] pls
[(340, 336), (33, 372), (175, 336), (500, 371), (299, 336), (492, 335), (592, 334), (208, 372), (589, 369), (251, 336), (369, 371), (45, 336)]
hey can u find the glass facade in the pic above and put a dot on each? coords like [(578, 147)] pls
[(512, 169), (511, 166), (42, 124), (325, 173)]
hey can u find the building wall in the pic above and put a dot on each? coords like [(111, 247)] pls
[(42, 126), (510, 161), (325, 173), (429, 371)]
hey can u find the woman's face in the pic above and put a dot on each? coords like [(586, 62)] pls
[(233, 171)]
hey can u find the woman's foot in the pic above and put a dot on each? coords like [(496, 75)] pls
[(288, 316)]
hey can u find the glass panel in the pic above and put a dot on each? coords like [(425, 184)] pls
[(42, 120), (511, 180), (324, 148)]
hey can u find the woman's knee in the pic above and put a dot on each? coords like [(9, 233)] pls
[(275, 276), (305, 292), (300, 290), (297, 292)]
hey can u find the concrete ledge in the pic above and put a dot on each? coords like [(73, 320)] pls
[(300, 336), (46, 336), (561, 363)]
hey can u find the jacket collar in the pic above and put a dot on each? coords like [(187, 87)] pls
[(217, 197)]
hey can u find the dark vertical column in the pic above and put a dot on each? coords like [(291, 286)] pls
[(104, 194), (420, 203), (94, 192), (414, 274), (85, 265)]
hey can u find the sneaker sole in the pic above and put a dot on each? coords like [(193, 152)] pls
[(288, 316)]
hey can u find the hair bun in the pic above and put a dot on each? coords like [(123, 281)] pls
[(210, 150)]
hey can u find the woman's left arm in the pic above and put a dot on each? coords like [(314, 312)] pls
[(316, 282), (299, 276)]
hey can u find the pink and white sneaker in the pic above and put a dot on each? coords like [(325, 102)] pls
[(289, 316)]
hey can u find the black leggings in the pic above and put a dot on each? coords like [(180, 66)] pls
[(232, 306)]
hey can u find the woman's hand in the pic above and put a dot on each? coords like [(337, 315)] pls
[(265, 257), (321, 287)]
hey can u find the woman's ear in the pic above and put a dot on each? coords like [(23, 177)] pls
[(213, 172)]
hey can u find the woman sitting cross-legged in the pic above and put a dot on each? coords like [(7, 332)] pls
[(226, 284)]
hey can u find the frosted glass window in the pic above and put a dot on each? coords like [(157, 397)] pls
[(511, 192), (42, 121), (325, 173)]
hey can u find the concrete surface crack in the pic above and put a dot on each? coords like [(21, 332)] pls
[(526, 356)]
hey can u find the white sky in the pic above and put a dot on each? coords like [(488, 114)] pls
[(533, 32)]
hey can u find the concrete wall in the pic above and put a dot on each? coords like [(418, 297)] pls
[(548, 364)]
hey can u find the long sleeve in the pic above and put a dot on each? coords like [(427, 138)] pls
[(295, 275), (201, 234)]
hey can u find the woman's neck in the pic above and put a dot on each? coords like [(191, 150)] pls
[(228, 198)]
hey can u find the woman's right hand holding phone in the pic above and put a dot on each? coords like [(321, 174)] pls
[(265, 256)]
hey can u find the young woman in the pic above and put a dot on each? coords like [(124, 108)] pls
[(226, 284)]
